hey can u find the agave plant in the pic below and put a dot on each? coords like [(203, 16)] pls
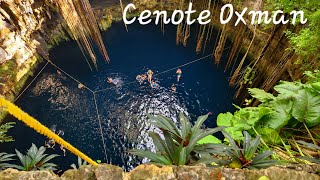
[(4, 158), (80, 163), (35, 159), (180, 146), (246, 156)]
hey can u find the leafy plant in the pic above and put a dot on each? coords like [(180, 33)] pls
[(35, 159), (297, 104), (245, 156), (3, 130), (311, 147), (181, 146), (4, 158), (304, 41), (80, 163)]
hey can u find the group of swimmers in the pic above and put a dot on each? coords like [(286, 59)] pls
[(51, 143), (142, 77)]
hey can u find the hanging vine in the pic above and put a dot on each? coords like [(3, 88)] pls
[(235, 46), (81, 20)]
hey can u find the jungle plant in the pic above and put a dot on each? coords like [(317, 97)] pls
[(4, 158), (313, 148), (304, 42), (80, 163), (35, 159), (296, 105), (180, 146), (245, 156), (3, 130)]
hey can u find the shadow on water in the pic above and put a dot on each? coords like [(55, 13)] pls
[(55, 99)]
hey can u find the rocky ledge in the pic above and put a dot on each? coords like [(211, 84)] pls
[(105, 171)]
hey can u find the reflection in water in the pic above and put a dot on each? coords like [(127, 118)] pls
[(123, 111)]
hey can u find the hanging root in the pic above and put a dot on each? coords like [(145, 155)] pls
[(81, 20), (222, 41), (235, 46), (278, 70)]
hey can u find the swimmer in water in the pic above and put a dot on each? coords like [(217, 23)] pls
[(173, 88), (112, 81), (149, 73), (80, 86), (63, 150), (179, 73), (50, 144), (154, 85), (141, 78)]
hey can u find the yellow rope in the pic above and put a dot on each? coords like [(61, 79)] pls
[(41, 129)]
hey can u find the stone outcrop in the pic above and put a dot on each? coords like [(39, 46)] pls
[(110, 172)]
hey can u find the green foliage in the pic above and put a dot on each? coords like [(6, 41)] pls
[(181, 146), (305, 42), (246, 156), (3, 130), (312, 147), (35, 159), (4, 158), (80, 163), (210, 140), (296, 104)]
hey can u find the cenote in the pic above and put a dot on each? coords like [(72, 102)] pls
[(55, 99)]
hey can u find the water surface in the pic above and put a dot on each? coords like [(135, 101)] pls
[(55, 99)]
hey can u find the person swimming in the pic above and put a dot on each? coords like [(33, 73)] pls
[(63, 150), (150, 74), (112, 81), (50, 144), (154, 85), (80, 86), (179, 73), (141, 78), (173, 88)]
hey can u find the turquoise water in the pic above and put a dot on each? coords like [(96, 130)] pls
[(55, 99)]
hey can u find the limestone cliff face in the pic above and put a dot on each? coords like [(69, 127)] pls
[(21, 40)]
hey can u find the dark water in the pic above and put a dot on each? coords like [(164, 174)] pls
[(55, 99)]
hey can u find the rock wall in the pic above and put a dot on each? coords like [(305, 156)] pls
[(24, 39), (142, 172)]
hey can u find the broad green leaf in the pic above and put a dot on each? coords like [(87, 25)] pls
[(209, 140), (280, 115), (269, 135), (316, 86), (224, 119), (235, 133), (306, 108), (288, 89), (260, 94)]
